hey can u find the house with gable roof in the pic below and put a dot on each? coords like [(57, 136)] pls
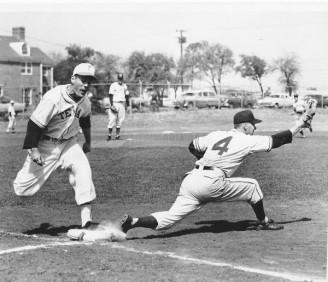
[(26, 72)]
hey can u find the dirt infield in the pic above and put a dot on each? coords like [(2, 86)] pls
[(142, 175)]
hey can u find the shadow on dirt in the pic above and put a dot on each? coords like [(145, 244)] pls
[(216, 226), (48, 229)]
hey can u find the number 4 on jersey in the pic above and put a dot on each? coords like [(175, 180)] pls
[(222, 145)]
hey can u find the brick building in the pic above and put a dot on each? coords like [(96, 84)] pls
[(25, 71)]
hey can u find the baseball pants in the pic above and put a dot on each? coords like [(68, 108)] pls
[(200, 187), (66, 154), (116, 119), (11, 123)]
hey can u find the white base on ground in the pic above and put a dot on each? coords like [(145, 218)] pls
[(106, 231)]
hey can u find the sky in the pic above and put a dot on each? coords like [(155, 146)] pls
[(265, 29)]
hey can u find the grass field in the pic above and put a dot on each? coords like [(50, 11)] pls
[(142, 175)]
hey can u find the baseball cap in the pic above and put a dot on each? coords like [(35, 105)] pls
[(245, 116), (12, 102), (120, 76), (84, 69)]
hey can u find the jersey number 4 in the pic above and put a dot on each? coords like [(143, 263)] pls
[(222, 145)]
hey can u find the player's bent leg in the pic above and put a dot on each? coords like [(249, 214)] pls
[(241, 189), (32, 176), (182, 207), (76, 163)]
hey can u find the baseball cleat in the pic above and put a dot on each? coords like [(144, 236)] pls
[(126, 223), (118, 137), (76, 234), (269, 226), (90, 235), (109, 138)]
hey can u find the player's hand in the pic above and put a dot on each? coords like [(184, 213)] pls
[(86, 148), (128, 108), (36, 156)]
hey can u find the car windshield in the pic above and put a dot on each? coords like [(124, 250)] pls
[(274, 96)]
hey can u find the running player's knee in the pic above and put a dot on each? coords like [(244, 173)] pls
[(256, 193)]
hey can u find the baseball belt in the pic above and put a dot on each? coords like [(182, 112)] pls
[(46, 137), (204, 167)]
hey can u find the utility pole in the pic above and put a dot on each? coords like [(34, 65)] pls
[(182, 40)]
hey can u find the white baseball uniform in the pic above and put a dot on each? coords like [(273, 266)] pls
[(58, 116), (210, 180), (12, 119), (119, 93)]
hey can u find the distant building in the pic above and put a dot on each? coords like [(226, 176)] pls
[(25, 71)]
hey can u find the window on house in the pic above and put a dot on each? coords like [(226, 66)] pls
[(26, 68), (24, 49), (27, 96), (45, 71)]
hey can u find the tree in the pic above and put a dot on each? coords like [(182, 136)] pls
[(209, 60), (190, 64), (155, 69), (76, 55), (254, 68), (289, 68)]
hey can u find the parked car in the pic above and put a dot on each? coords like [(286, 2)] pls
[(239, 100), (135, 102), (139, 102), (196, 99), (322, 100), (278, 100), (4, 104)]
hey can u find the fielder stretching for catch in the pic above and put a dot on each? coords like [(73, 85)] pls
[(118, 96), (51, 140), (219, 154)]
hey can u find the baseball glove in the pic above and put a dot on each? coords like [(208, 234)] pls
[(113, 109), (309, 113)]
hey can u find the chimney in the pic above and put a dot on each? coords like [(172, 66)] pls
[(19, 33)]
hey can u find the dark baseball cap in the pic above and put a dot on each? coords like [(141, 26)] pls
[(120, 76), (245, 116)]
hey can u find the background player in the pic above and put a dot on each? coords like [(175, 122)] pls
[(51, 140), (11, 117), (219, 154), (118, 96)]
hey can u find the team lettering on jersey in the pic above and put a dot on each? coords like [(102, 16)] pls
[(67, 113)]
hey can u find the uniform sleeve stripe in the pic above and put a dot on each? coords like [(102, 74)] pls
[(196, 144), (270, 144), (37, 122)]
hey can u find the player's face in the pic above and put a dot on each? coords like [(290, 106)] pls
[(81, 84)]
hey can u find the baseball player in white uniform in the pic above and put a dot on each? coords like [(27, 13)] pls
[(219, 154), (299, 109), (118, 96), (11, 117), (51, 140)]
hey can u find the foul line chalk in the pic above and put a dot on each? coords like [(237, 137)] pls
[(287, 276), (291, 277), (42, 246)]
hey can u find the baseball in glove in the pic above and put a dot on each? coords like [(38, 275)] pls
[(309, 113), (113, 109)]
